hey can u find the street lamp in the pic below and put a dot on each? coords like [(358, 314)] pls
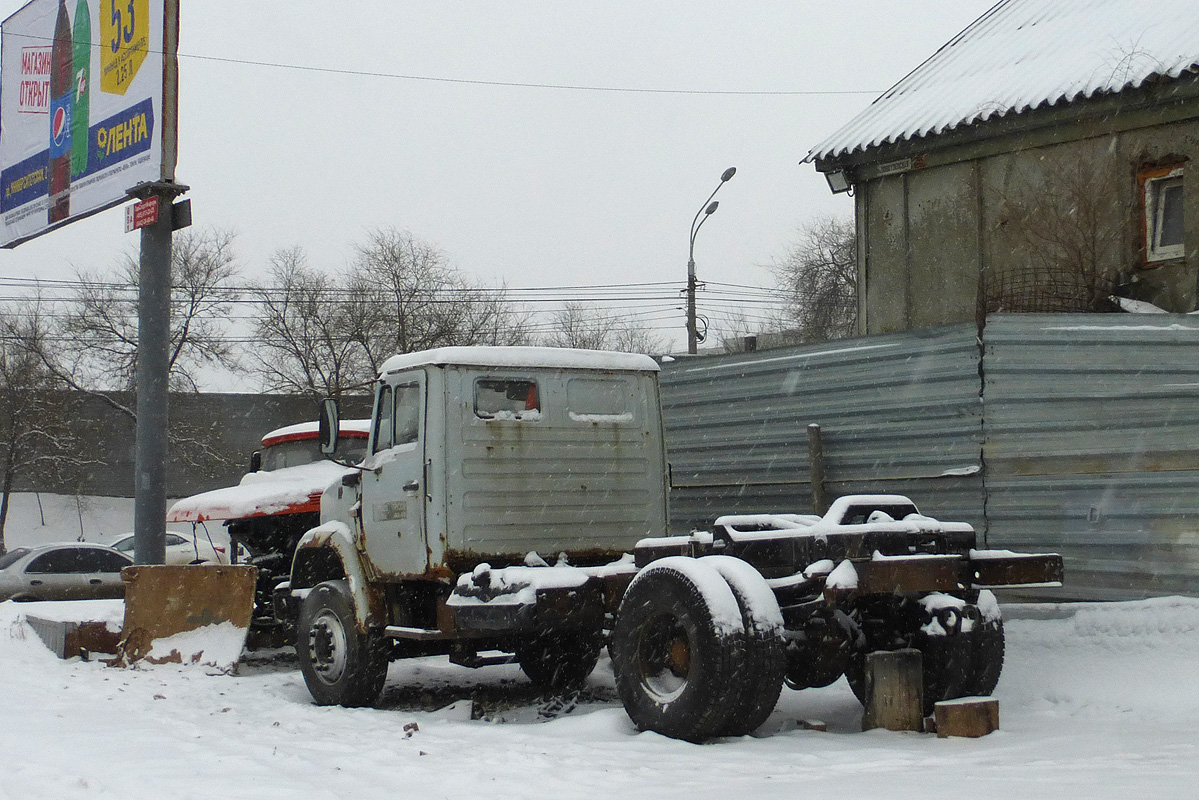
[(701, 217)]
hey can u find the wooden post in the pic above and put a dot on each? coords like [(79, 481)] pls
[(816, 469), (894, 691)]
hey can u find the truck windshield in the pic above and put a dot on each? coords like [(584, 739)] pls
[(306, 451)]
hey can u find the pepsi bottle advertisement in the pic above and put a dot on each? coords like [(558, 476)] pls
[(81, 109)]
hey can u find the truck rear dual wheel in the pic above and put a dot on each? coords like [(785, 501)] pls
[(341, 664), (965, 665), (758, 685), (694, 649)]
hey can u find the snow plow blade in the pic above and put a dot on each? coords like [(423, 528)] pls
[(187, 614)]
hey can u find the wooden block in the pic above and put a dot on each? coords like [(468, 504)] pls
[(894, 691), (967, 716)]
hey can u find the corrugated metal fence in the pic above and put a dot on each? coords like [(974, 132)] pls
[(1073, 433), (1092, 447)]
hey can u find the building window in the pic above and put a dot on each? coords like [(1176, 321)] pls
[(1163, 214)]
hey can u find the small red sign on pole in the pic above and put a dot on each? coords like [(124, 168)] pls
[(141, 214)]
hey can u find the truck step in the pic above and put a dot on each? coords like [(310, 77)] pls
[(401, 632)]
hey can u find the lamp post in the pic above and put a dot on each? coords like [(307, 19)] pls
[(701, 217)]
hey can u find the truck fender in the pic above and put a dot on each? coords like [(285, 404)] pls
[(335, 542)]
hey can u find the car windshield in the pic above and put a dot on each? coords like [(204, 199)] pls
[(12, 556)]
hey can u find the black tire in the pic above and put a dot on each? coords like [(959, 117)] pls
[(341, 664), (989, 646), (677, 649), (560, 660), (965, 665), (760, 680)]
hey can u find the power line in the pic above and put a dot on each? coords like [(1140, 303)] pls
[(364, 73)]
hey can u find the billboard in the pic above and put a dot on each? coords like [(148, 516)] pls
[(87, 108)]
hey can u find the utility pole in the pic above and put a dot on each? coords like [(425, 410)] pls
[(705, 211), (153, 373)]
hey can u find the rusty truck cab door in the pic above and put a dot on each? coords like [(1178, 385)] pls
[(394, 489)]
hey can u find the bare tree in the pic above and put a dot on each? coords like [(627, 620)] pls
[(1066, 228), (37, 438), (95, 336), (819, 277), (88, 343), (419, 301), (576, 325), (323, 334), (309, 330)]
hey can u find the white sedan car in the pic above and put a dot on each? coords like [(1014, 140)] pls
[(67, 571), (182, 548)]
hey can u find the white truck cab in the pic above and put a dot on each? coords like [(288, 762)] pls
[(491, 453)]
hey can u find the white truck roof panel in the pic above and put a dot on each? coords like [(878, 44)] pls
[(309, 430), (552, 357)]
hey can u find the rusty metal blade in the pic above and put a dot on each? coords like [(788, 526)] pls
[(164, 601)]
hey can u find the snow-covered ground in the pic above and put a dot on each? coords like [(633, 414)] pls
[(1096, 701)]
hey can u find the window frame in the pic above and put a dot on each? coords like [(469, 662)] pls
[(408, 394), (401, 395), (384, 414), (507, 415), (1154, 182)]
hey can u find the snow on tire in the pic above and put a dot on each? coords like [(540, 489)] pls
[(759, 682), (677, 649)]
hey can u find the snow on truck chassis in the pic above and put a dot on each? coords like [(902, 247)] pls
[(480, 459)]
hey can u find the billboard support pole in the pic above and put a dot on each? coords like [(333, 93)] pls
[(153, 374)]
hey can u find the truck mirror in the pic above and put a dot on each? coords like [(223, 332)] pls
[(330, 426), (255, 461)]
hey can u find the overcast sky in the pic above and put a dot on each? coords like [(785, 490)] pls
[(524, 186)]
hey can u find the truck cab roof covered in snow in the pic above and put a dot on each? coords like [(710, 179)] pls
[(353, 428), (293, 476), (551, 357)]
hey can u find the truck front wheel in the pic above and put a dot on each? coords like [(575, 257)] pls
[(341, 664), (677, 649)]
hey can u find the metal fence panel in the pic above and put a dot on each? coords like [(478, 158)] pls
[(1092, 447), (898, 413)]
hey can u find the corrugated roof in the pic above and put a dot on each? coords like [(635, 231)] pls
[(1023, 54)]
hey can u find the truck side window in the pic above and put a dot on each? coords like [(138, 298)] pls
[(407, 413), (506, 398), (384, 416), (595, 400)]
